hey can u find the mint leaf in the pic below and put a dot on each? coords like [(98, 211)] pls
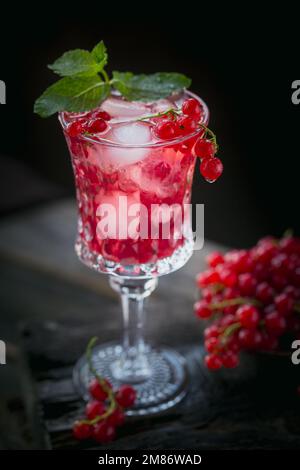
[(99, 54), (149, 87), (77, 62), (73, 94)]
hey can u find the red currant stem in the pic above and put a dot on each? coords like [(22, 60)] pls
[(289, 232), (172, 111), (209, 132), (110, 394), (229, 330), (217, 287), (233, 302)]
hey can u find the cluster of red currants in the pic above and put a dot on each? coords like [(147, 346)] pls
[(92, 123), (172, 125), (105, 412), (252, 297)]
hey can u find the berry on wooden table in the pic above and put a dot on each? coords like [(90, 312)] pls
[(82, 431), (97, 390), (94, 408), (126, 396), (252, 298), (104, 432), (213, 362)]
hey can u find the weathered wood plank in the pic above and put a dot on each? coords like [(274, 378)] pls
[(65, 303)]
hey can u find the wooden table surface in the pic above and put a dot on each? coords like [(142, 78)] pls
[(60, 304)]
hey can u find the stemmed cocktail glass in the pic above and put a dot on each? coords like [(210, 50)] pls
[(133, 225)]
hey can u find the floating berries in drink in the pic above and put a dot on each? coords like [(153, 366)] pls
[(166, 130), (76, 128), (96, 126)]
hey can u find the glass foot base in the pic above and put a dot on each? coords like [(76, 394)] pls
[(165, 387)]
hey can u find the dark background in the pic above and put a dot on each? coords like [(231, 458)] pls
[(242, 64)]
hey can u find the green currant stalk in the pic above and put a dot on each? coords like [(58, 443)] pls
[(234, 302), (110, 394)]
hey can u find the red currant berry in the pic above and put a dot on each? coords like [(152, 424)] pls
[(247, 284), (211, 345), (202, 310), (75, 128), (166, 130), (230, 360), (97, 125), (292, 292), (249, 338), (213, 362), (284, 304), (103, 432), (230, 293), (94, 408), (211, 169), (227, 277), (290, 245), (186, 125), (103, 115), (248, 316), (279, 281), (233, 343), (265, 251), (275, 323), (82, 431), (97, 391), (204, 148), (211, 332), (207, 278), (117, 418), (126, 396), (207, 295), (264, 292), (192, 108), (239, 260), (214, 259), (162, 170), (227, 320)]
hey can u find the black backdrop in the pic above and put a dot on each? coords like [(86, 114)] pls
[(241, 62)]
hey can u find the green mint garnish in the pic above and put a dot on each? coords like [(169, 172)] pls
[(73, 94), (86, 84), (149, 87)]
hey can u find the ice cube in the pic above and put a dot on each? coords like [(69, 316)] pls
[(161, 106), (135, 133), (119, 108)]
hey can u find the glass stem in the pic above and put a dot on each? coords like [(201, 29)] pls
[(133, 365)]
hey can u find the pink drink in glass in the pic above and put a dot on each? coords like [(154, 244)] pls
[(128, 159)]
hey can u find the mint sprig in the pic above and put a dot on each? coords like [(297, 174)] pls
[(149, 87), (86, 84)]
